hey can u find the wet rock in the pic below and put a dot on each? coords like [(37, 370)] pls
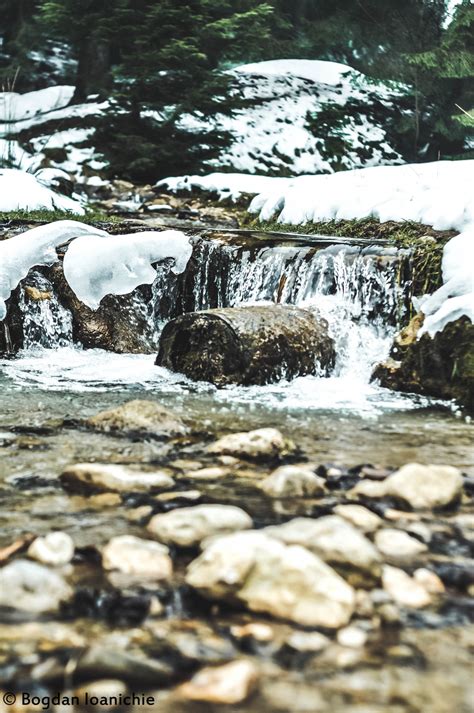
[(211, 473), (228, 684), (421, 486), (246, 345), (266, 575), (403, 589), (398, 547), (307, 641), (429, 581), (134, 556), (118, 478), (32, 587), (187, 527), (263, 633), (138, 416), (352, 636), (289, 481), (261, 444), (442, 366), (107, 689), (359, 516), (55, 548), (336, 541)]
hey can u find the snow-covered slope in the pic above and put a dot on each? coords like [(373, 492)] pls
[(273, 136), (22, 191)]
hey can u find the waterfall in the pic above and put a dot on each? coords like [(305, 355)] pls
[(356, 289)]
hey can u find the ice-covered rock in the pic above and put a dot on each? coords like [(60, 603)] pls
[(118, 478), (135, 556), (336, 541), (268, 576), (293, 481), (188, 526), (31, 587), (118, 265)]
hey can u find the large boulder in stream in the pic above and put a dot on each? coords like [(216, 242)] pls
[(247, 345), (440, 366)]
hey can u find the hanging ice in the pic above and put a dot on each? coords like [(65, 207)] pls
[(117, 265), (35, 247)]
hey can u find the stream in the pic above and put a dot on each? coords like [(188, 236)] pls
[(412, 662)]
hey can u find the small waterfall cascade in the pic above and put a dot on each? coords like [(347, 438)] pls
[(356, 289)]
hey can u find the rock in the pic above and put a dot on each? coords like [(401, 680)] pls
[(138, 416), (442, 366), (134, 556), (55, 548), (352, 636), (359, 516), (188, 526), (263, 633), (263, 443), (36, 295), (228, 684), (307, 641), (403, 589), (118, 478), (398, 547), (246, 345), (32, 587), (211, 473), (429, 581), (107, 689), (336, 541), (421, 486), (289, 481), (266, 575)]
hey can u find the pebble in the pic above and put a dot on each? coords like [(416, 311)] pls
[(398, 547), (211, 473), (263, 443), (228, 684), (359, 516), (119, 478), (107, 688), (32, 587), (55, 548), (293, 481), (404, 589), (306, 641), (254, 630), (352, 637), (429, 580), (188, 526), (135, 556)]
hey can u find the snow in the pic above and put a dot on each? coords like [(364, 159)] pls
[(15, 107), (315, 70), (35, 247), (226, 185), (116, 266), (22, 191), (95, 264)]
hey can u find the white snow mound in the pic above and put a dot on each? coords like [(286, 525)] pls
[(20, 190)]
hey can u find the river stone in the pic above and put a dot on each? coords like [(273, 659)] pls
[(398, 547), (263, 443), (188, 526), (359, 516), (32, 587), (293, 481), (228, 684), (138, 416), (132, 555), (247, 345), (55, 548), (421, 486), (266, 575), (403, 589), (336, 541), (118, 478)]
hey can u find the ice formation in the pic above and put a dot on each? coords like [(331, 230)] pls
[(116, 266), (35, 247), (96, 264)]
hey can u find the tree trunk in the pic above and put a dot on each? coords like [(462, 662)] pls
[(93, 70)]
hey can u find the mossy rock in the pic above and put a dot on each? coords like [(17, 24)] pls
[(442, 366)]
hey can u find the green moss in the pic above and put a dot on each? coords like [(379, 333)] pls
[(41, 216)]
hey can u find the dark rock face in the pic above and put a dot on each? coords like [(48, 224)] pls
[(442, 366), (246, 345)]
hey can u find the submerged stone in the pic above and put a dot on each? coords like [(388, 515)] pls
[(263, 443), (293, 481), (188, 526), (138, 416), (247, 345), (32, 587), (118, 478), (135, 556)]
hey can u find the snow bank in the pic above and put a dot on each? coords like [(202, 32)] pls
[(35, 247), (116, 266), (22, 191), (96, 264), (15, 107), (226, 185)]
